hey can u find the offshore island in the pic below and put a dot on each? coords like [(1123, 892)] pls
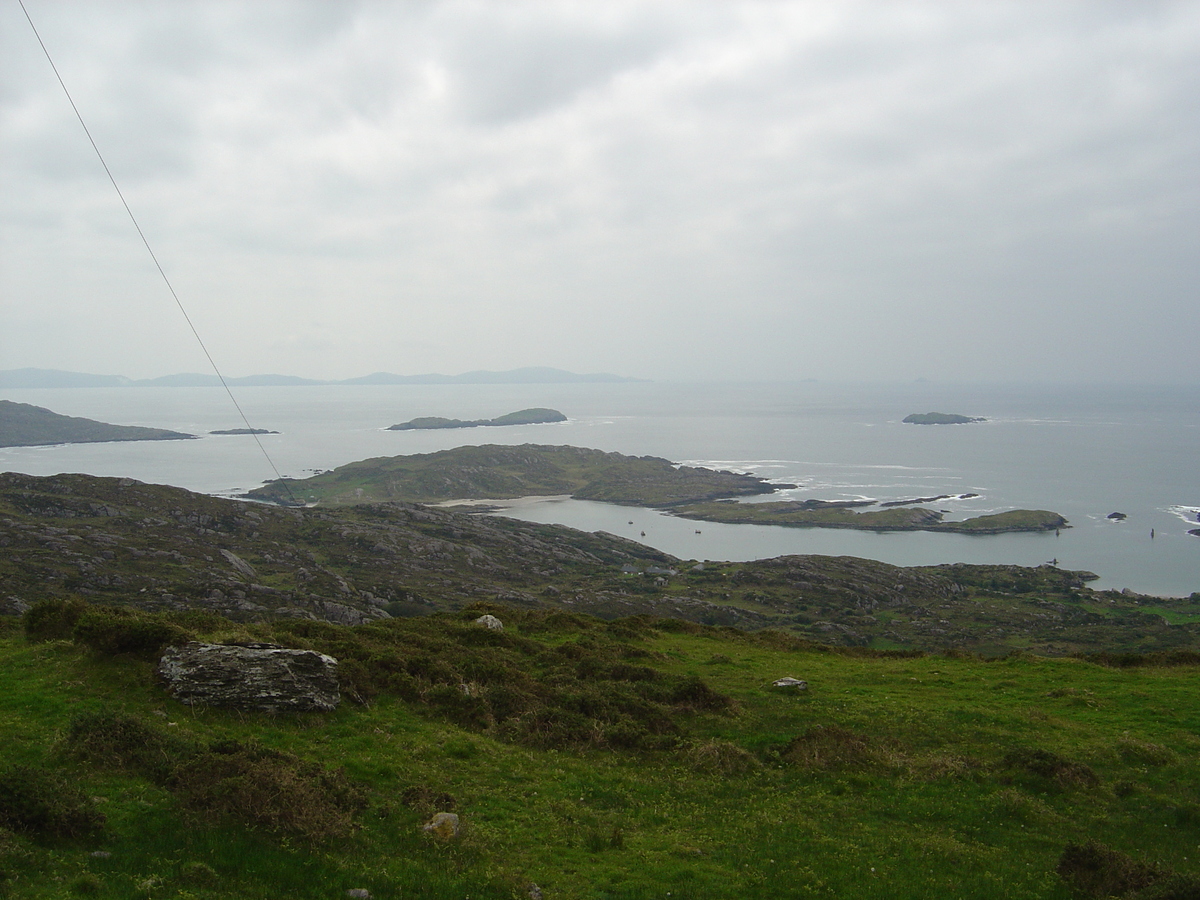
[(937, 418), (495, 472), (533, 416)]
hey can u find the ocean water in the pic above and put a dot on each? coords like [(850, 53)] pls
[(1081, 451)]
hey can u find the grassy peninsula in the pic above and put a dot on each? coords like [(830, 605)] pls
[(494, 472), (532, 416), (25, 425)]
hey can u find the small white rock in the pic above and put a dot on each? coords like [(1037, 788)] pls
[(789, 682)]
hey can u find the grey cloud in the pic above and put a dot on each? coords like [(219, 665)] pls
[(732, 176), (511, 62)]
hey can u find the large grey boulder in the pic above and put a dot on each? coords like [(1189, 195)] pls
[(263, 677)]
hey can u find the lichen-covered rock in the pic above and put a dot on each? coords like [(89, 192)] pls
[(443, 825), (489, 621), (262, 677)]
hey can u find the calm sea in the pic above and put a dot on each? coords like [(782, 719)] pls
[(1084, 452)]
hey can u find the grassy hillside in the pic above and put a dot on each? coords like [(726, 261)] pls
[(23, 425), (162, 548), (631, 756), (637, 758)]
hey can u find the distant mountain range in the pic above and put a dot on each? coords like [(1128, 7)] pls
[(55, 378)]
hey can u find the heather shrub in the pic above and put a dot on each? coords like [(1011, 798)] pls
[(829, 747), (114, 741), (44, 805), (270, 790), (718, 757), (1095, 870), (52, 620), (1044, 770), (113, 630)]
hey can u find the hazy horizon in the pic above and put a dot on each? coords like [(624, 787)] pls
[(710, 191)]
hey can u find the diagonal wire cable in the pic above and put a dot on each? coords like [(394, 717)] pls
[(150, 250)]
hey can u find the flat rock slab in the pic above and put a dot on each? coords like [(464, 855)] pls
[(789, 682), (261, 677)]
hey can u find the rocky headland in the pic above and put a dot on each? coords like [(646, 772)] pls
[(25, 425)]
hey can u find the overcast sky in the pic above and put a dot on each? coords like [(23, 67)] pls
[(671, 190)]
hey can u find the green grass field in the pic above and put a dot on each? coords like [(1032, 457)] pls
[(638, 758)]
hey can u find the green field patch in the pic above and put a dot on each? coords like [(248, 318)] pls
[(895, 774)]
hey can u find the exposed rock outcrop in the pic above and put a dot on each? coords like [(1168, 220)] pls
[(262, 677)]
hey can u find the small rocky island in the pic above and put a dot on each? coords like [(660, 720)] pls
[(937, 418), (25, 425), (807, 514), (533, 416)]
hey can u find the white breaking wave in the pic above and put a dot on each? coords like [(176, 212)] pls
[(1189, 514)]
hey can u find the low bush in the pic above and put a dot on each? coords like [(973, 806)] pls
[(44, 805), (1144, 753), (53, 620), (694, 693), (1095, 870), (426, 800), (830, 747), (267, 789), (582, 693), (114, 741), (1175, 886), (113, 630), (1042, 770), (722, 758)]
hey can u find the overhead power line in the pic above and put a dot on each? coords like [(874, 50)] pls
[(150, 250)]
